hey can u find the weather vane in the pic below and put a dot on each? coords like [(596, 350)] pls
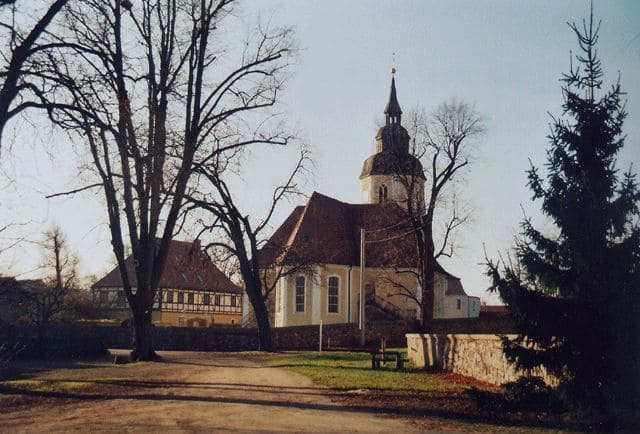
[(393, 62)]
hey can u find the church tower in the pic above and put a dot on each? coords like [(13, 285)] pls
[(393, 174)]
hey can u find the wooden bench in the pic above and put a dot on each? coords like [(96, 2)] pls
[(383, 357)]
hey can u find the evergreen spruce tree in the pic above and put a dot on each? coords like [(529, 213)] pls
[(573, 295)]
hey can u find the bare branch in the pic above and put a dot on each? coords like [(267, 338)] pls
[(74, 191)]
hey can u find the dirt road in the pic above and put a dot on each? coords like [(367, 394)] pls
[(188, 392)]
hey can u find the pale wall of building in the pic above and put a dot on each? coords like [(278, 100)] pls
[(220, 310), (396, 191), (456, 306), (383, 283), (316, 298), (474, 307)]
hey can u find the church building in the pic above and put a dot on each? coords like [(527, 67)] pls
[(317, 249)]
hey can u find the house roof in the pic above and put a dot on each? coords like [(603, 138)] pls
[(454, 287), (496, 309), (327, 231), (33, 286), (187, 267)]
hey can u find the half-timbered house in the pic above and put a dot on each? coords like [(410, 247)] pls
[(192, 292)]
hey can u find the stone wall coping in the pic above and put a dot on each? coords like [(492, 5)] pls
[(475, 336)]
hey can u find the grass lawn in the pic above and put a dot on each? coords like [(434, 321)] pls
[(432, 395), (349, 371)]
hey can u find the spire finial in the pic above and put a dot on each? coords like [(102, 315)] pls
[(392, 111)]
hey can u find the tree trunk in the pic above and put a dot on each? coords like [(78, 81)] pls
[(254, 292), (143, 342), (428, 292), (264, 328), (428, 266)]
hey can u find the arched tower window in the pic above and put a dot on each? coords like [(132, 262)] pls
[(382, 194)]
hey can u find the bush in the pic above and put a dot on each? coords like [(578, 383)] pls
[(526, 393)]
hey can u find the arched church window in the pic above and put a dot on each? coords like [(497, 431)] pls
[(382, 194)]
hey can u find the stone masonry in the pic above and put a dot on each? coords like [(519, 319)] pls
[(475, 355)]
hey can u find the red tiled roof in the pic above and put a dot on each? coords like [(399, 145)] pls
[(327, 231), (187, 267), (497, 309), (454, 287), (274, 246)]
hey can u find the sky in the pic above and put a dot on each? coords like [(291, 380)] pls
[(504, 58)]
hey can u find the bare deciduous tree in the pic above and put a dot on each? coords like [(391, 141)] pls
[(62, 278), (60, 260), (242, 239), (4, 247), (443, 141), (39, 301), (150, 89), (20, 47)]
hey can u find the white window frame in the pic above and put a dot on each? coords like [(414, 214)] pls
[(304, 295), (329, 295)]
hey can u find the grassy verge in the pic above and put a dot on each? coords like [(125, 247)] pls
[(439, 400), (349, 371)]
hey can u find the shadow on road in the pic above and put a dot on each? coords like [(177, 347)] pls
[(80, 395)]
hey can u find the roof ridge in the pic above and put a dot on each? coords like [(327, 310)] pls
[(324, 196)]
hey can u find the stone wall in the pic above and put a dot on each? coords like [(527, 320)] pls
[(474, 355), (76, 340), (341, 335), (58, 340)]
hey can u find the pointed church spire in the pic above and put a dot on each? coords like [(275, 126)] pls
[(392, 111)]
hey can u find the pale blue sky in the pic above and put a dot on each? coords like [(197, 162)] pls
[(503, 57)]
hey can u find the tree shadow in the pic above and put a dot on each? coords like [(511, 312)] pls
[(24, 368), (388, 368), (142, 384), (396, 410)]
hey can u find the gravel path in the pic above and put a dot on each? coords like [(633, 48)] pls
[(192, 392)]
